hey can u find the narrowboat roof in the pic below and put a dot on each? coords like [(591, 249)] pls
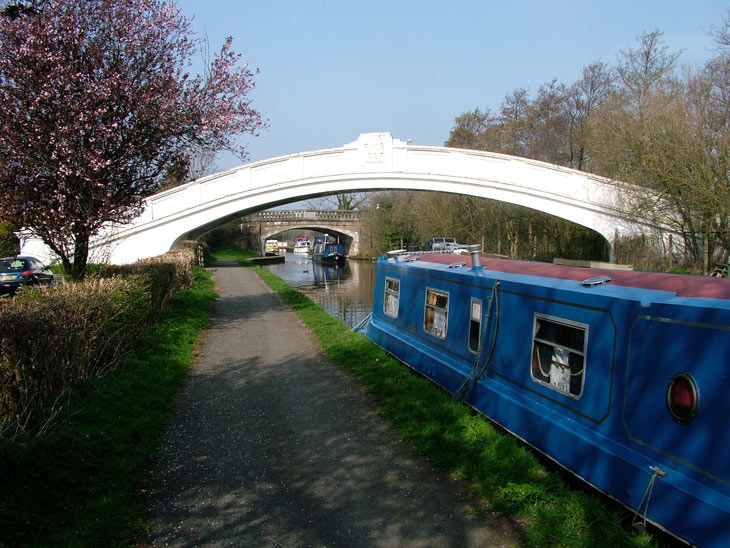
[(682, 285)]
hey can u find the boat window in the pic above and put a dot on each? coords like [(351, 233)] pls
[(558, 354), (475, 324), (392, 297), (435, 315)]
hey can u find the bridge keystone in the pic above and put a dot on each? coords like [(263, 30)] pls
[(376, 150)]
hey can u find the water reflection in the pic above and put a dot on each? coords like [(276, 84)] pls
[(345, 291), (327, 274)]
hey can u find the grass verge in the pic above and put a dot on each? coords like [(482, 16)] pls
[(81, 484), (509, 478)]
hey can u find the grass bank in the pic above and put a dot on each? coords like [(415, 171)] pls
[(82, 483), (509, 478)]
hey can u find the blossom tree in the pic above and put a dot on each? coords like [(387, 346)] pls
[(96, 104)]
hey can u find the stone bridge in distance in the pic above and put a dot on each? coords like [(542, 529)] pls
[(343, 225)]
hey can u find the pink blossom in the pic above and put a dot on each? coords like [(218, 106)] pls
[(95, 104)]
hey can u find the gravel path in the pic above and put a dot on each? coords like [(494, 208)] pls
[(273, 447)]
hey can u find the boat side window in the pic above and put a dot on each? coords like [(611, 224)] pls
[(475, 324), (392, 297), (436, 313), (558, 354)]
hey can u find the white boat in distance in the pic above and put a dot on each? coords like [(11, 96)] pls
[(302, 245)]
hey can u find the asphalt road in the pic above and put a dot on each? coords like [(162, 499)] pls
[(271, 446)]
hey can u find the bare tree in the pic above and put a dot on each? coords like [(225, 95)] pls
[(582, 99), (646, 71), (344, 201), (469, 129), (548, 125), (513, 123), (669, 138)]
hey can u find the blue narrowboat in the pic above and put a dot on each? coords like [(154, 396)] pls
[(327, 251), (620, 376)]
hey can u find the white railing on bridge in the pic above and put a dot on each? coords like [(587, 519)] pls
[(305, 215)]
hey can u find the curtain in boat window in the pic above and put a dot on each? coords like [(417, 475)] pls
[(392, 297), (558, 355), (436, 313)]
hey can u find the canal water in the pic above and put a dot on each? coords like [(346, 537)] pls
[(345, 291)]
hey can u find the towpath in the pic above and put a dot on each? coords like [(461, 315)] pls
[(272, 446)]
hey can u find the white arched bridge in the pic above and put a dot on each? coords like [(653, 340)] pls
[(375, 161)]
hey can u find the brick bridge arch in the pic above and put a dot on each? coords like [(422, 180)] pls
[(345, 225)]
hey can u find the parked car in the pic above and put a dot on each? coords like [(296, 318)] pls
[(18, 271), (442, 244)]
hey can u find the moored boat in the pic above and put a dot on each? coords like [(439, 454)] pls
[(302, 245), (619, 376), (271, 247), (327, 250)]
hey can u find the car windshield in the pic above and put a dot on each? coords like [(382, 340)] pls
[(13, 264)]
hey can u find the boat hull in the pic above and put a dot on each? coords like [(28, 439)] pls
[(328, 258)]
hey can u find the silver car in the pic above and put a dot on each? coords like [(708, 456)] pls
[(442, 244)]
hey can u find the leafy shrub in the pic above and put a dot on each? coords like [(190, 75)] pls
[(54, 337), (162, 275)]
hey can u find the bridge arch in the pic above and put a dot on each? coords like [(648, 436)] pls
[(375, 161), (344, 225), (344, 237)]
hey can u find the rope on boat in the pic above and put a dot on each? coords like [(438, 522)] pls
[(476, 371), (647, 494), (547, 373)]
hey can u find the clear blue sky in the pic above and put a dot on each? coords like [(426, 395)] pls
[(331, 70)]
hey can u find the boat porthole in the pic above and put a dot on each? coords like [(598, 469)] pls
[(682, 398)]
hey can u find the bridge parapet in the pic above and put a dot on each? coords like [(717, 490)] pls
[(294, 215)]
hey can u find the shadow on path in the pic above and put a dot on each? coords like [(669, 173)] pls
[(273, 446)]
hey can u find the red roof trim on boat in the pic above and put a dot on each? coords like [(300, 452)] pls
[(683, 285)]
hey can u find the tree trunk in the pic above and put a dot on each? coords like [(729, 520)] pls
[(81, 256)]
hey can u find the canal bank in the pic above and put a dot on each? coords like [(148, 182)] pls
[(272, 445)]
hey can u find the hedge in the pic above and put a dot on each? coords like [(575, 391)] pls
[(54, 337)]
